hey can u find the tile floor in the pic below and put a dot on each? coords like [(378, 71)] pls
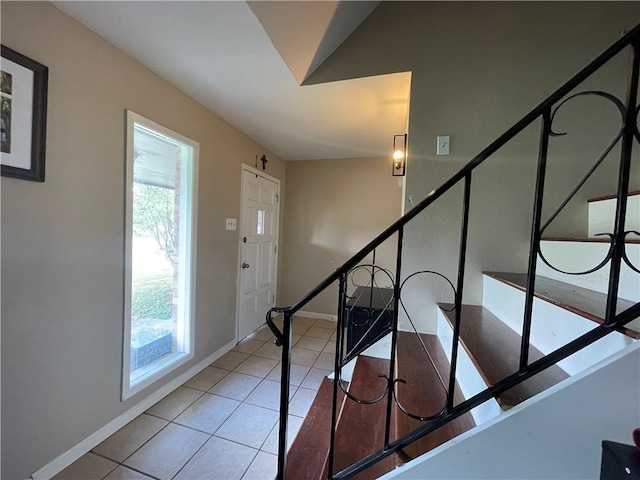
[(223, 423)]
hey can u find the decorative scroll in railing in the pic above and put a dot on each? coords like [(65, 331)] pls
[(617, 247), (383, 287)]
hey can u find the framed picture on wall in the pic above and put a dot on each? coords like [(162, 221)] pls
[(23, 116)]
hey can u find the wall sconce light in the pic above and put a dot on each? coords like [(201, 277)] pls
[(399, 155)]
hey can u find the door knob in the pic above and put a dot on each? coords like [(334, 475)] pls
[(245, 265)]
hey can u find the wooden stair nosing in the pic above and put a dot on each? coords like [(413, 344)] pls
[(581, 301), (423, 393), (494, 348), (360, 431), (612, 197), (603, 239)]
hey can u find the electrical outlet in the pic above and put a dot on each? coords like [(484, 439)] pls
[(231, 224), (442, 147)]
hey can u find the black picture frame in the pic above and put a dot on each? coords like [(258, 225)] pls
[(32, 138)]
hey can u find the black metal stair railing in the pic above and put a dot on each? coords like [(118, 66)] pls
[(616, 258)]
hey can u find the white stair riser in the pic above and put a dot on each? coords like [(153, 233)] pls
[(602, 214), (380, 349), (467, 375), (551, 327), (582, 256)]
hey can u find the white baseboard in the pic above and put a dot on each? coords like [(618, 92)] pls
[(74, 453), (322, 316)]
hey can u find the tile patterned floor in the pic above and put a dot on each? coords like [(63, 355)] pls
[(223, 423)]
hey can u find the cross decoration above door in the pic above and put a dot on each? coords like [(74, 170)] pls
[(264, 162)]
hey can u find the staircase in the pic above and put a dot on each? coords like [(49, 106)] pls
[(400, 391)]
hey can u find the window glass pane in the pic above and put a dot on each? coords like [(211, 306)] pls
[(153, 323), (260, 223), (160, 222)]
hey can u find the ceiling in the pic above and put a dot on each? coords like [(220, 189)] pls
[(246, 62)]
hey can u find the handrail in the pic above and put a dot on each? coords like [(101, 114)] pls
[(616, 256), (527, 120)]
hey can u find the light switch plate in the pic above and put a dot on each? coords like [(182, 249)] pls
[(442, 145), (231, 224)]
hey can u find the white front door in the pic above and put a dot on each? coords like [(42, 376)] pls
[(258, 249)]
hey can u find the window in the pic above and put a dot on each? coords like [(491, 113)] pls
[(159, 252)]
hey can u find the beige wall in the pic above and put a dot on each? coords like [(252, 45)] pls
[(62, 240), (477, 68), (334, 208)]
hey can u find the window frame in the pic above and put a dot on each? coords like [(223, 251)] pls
[(187, 246)]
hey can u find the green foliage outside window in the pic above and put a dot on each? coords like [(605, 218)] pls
[(153, 214)]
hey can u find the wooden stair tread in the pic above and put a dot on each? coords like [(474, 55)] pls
[(581, 301), (423, 393), (602, 239), (494, 348), (360, 431), (611, 197), (308, 454)]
